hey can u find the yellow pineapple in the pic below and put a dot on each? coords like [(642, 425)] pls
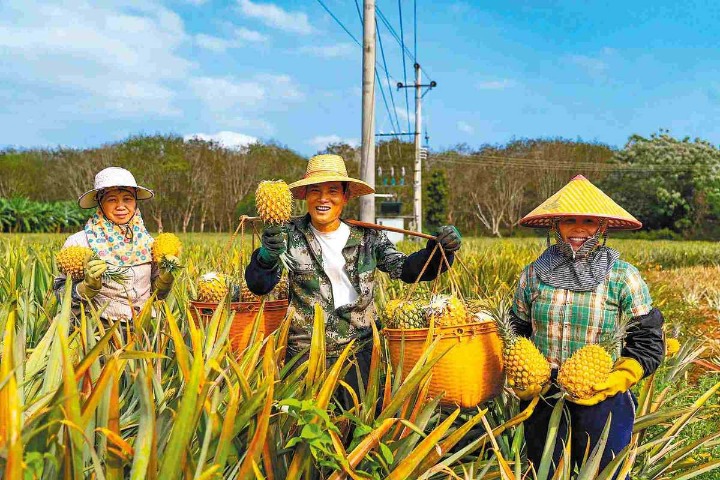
[(71, 261), (586, 367), (591, 364), (246, 295), (672, 346), (405, 314), (212, 287), (525, 366), (274, 202), (478, 310), (447, 311), (166, 244)]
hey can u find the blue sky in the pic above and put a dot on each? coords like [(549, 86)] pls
[(83, 73)]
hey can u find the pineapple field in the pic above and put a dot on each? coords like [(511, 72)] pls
[(173, 399)]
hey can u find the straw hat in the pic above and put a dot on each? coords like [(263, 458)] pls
[(109, 178), (328, 168), (580, 197)]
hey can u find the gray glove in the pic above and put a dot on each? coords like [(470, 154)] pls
[(449, 238), (273, 245)]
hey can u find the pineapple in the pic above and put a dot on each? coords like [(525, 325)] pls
[(447, 311), (274, 202), (591, 364), (405, 314), (212, 287), (672, 346), (478, 311), (166, 244), (71, 261), (248, 296), (586, 367), (524, 365)]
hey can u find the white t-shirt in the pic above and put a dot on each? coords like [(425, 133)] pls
[(331, 244)]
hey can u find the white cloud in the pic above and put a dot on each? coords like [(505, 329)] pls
[(465, 127), (405, 115), (496, 84), (322, 141), (242, 36), (214, 44), (276, 17), (266, 91), (331, 51), (103, 57), (248, 35), (226, 138)]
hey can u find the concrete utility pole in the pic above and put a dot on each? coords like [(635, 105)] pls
[(417, 180), (367, 155), (417, 170)]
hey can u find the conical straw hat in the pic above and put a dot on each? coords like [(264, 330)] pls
[(328, 168), (580, 197)]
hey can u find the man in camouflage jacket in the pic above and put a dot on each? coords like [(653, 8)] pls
[(333, 264)]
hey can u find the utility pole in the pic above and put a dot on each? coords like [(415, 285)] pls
[(417, 180), (417, 170), (367, 152)]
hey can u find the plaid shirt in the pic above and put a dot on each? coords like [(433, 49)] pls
[(564, 321)]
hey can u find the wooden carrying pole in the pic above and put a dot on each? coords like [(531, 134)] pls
[(358, 223)]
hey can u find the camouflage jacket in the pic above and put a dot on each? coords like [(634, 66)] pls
[(365, 252)]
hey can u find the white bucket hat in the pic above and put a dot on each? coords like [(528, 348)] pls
[(109, 178)]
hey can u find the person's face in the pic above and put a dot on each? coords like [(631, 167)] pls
[(325, 203), (576, 230), (119, 205)]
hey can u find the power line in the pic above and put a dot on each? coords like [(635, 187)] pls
[(387, 76), (339, 22), (395, 35), (402, 40)]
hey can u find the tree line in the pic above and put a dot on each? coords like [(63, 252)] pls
[(669, 184)]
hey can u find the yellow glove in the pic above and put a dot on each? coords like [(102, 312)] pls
[(531, 392), (625, 373), (92, 283)]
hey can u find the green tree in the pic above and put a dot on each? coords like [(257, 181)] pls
[(668, 183), (435, 200)]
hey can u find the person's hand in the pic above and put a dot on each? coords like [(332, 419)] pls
[(531, 392), (625, 373), (173, 264), (273, 245), (94, 270), (449, 238)]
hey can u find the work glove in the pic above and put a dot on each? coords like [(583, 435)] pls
[(92, 283), (625, 373), (531, 392), (164, 281), (449, 238), (273, 245)]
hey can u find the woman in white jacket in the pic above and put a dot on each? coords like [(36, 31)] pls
[(117, 235)]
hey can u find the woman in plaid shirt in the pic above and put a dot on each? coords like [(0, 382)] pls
[(576, 293)]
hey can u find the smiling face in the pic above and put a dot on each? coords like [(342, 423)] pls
[(577, 230), (325, 203), (118, 205)]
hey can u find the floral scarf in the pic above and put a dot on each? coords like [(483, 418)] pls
[(119, 245)]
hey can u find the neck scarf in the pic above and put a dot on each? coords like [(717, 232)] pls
[(562, 267), (119, 245)]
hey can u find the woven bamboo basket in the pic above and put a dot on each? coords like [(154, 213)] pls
[(244, 314), (470, 373)]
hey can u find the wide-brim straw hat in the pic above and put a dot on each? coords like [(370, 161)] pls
[(328, 168), (112, 177), (580, 198)]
